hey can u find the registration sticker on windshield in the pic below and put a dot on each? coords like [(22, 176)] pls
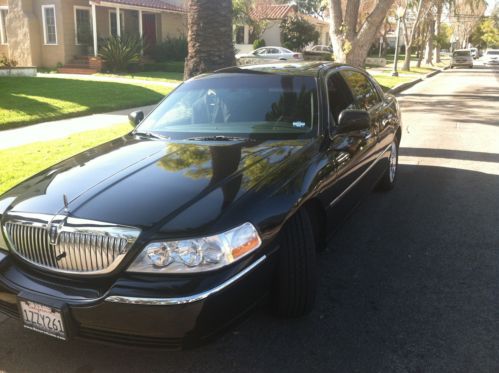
[(299, 124)]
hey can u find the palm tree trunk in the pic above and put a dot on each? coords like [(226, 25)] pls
[(209, 37)]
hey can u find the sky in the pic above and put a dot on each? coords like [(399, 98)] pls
[(490, 6)]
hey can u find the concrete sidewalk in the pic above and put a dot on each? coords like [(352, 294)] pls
[(109, 79), (63, 128)]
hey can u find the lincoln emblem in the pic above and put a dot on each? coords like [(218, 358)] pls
[(53, 234)]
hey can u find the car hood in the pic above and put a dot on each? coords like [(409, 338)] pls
[(138, 182)]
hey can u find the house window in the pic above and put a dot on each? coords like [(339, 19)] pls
[(49, 24), (112, 23), (3, 25), (83, 25)]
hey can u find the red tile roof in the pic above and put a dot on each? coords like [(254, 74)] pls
[(154, 4), (276, 11)]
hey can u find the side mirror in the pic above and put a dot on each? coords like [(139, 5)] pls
[(353, 120), (135, 118)]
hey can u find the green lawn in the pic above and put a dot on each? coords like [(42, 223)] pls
[(24, 161), (387, 82), (158, 76), (26, 101)]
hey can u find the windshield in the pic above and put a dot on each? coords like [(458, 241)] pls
[(250, 105), (461, 53)]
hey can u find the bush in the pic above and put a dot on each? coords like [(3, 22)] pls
[(118, 53), (6, 62), (172, 49), (258, 43), (297, 32)]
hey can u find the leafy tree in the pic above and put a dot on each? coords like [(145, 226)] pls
[(442, 40), (489, 33), (312, 7), (242, 16), (296, 33)]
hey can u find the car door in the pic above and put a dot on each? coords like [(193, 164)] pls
[(346, 151), (367, 98)]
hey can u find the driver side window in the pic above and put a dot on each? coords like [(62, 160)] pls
[(339, 96)]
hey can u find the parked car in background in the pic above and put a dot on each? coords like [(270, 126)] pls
[(321, 48), (272, 53), (218, 198), (491, 57), (461, 57)]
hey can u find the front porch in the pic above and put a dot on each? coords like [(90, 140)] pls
[(152, 20)]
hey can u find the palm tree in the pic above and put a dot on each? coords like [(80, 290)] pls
[(209, 36)]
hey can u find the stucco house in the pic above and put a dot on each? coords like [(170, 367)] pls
[(51, 32), (272, 15)]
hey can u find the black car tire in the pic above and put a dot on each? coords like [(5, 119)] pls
[(295, 281), (389, 178)]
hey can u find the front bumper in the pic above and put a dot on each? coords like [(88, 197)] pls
[(128, 313)]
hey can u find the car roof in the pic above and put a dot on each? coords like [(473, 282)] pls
[(303, 68)]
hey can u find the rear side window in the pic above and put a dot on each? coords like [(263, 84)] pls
[(339, 96), (462, 54), (364, 92)]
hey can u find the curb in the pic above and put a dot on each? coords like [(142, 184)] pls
[(403, 86)]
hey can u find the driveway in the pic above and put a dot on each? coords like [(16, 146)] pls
[(409, 284)]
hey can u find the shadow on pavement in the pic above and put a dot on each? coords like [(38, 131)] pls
[(409, 284), (450, 154)]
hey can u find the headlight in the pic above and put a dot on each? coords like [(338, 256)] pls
[(199, 254)]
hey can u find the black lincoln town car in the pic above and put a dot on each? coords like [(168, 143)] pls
[(217, 200)]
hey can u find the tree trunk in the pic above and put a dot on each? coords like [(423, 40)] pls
[(429, 43), (209, 38), (438, 22), (350, 45), (407, 58), (409, 37)]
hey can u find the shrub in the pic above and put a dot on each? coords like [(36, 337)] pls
[(297, 32), (119, 52), (7, 62), (258, 43), (172, 49)]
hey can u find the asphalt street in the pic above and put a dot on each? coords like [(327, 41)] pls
[(410, 283)]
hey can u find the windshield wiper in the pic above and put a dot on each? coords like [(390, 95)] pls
[(151, 135), (219, 138)]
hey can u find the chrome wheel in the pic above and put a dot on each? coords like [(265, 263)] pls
[(393, 162)]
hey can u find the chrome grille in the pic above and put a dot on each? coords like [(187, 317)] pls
[(79, 247)]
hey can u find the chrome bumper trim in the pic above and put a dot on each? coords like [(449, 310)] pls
[(189, 299)]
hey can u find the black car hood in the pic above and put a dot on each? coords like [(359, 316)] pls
[(142, 183)]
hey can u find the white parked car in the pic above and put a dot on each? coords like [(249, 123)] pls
[(272, 53), (321, 48), (461, 57), (491, 57)]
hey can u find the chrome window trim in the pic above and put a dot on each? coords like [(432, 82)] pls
[(188, 299), (68, 224)]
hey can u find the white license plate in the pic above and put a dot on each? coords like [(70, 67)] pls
[(43, 319)]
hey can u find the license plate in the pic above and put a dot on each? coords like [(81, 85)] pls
[(43, 319)]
